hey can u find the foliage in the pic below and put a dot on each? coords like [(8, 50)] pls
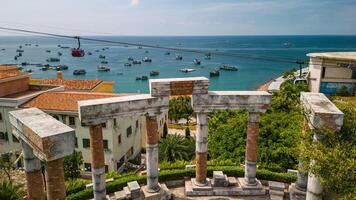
[(343, 91), (75, 185), (176, 147), (180, 108), (165, 130), (187, 132), (287, 99), (176, 174), (72, 165), (10, 191), (334, 157), (180, 164), (6, 165)]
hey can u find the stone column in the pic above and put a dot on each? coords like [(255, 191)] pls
[(201, 153), (54, 173), (32, 165), (97, 161), (152, 154), (251, 148)]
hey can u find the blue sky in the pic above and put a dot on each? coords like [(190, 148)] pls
[(181, 17)]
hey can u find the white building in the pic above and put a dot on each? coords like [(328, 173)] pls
[(331, 71)]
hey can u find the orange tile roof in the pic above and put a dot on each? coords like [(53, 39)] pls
[(4, 74), (72, 84), (65, 101)]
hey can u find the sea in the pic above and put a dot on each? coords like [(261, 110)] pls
[(258, 58)]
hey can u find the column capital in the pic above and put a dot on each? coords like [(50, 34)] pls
[(253, 117)]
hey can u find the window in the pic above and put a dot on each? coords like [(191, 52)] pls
[(119, 139), (114, 121), (103, 125), (64, 119), (87, 167), (353, 76), (106, 169), (323, 72), (129, 131), (72, 121), (105, 144), (0, 116), (136, 123), (86, 143), (76, 142), (56, 117), (4, 136), (14, 139)]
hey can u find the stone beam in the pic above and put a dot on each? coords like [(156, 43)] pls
[(321, 112), (179, 86), (252, 101), (49, 138), (93, 112)]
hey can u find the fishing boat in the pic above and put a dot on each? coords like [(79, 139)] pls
[(3, 49), (104, 62), (53, 60), (20, 47), (146, 51), (36, 45), (144, 78), (103, 69), (29, 70), (59, 45), (102, 57), (19, 50), (44, 68), (127, 65), (24, 64), (214, 72), (90, 53), (48, 51), (196, 62), (79, 72), (167, 53), (179, 57), (228, 68), (20, 54), (139, 47), (138, 78), (207, 56), (186, 70), (15, 58), (97, 50), (64, 47), (147, 59), (154, 73), (61, 67), (59, 54), (136, 62), (130, 59)]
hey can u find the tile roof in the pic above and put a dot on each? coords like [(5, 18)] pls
[(65, 101), (72, 84), (6, 74)]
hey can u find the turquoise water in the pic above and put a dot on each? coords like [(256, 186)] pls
[(251, 72)]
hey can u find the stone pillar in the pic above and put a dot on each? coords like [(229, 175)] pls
[(251, 148), (314, 188), (201, 153), (32, 165), (97, 161), (54, 173), (152, 154)]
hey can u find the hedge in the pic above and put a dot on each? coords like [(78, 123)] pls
[(176, 174)]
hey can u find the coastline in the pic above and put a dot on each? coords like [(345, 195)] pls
[(264, 86)]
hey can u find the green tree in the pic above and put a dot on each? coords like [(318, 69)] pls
[(72, 165), (11, 191), (287, 99), (180, 108), (6, 165), (176, 147), (165, 130), (334, 157)]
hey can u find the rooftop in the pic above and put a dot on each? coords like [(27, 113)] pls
[(9, 68), (71, 84), (8, 74), (348, 56), (65, 101)]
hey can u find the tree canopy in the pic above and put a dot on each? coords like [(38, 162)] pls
[(72, 165), (176, 147), (180, 108)]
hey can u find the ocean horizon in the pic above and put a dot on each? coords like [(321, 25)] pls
[(251, 73)]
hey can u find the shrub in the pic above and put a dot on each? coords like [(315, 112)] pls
[(11, 191), (75, 185)]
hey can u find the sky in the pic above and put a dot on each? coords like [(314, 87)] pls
[(181, 17)]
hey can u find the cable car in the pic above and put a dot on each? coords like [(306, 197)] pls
[(78, 52)]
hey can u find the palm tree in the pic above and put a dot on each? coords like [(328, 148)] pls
[(10, 191), (176, 147)]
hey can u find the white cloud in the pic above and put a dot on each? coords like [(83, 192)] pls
[(135, 2)]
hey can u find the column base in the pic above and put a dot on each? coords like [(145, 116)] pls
[(252, 190), (141, 193), (295, 193)]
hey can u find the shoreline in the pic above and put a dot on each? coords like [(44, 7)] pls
[(264, 86)]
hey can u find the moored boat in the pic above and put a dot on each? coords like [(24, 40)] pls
[(186, 70), (229, 68), (214, 72), (147, 59), (197, 62), (79, 72), (104, 62), (154, 73), (179, 57), (136, 62), (53, 60), (103, 69), (127, 64), (102, 57)]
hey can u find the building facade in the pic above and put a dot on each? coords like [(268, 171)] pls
[(329, 72)]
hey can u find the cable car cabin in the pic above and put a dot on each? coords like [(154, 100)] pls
[(78, 52), (300, 80)]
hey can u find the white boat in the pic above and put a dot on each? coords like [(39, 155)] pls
[(186, 70)]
